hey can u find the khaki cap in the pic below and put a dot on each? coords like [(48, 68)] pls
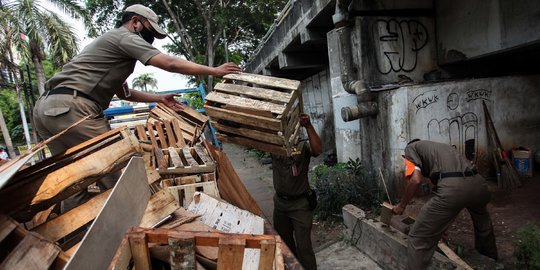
[(151, 16)]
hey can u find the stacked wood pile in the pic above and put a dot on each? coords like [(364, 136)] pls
[(148, 194), (257, 111)]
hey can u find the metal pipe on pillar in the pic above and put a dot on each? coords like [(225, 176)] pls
[(352, 83)]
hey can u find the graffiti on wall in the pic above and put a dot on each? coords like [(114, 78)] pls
[(423, 100), (460, 129), (399, 43)]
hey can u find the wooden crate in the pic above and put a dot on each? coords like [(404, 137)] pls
[(231, 247), (187, 160), (188, 122), (184, 193), (256, 111)]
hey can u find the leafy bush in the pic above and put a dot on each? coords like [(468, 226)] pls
[(345, 183), (527, 249)]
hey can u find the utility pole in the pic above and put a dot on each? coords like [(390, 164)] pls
[(7, 138)]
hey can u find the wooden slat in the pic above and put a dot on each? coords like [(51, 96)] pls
[(130, 192), (268, 248), (139, 250), (151, 134), (264, 80), (170, 133), (161, 204), (250, 111), (68, 222), (202, 154), (245, 102), (209, 188), (161, 135), (188, 170), (231, 253), (180, 141), (175, 158), (141, 132), (293, 102), (33, 252), (187, 155), (38, 195), (6, 226), (251, 133), (244, 118), (272, 148), (255, 92)]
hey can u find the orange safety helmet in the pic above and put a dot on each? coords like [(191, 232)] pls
[(409, 167)]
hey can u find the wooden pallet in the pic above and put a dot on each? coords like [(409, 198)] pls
[(184, 193), (231, 247), (188, 122), (256, 111), (187, 160), (27, 250)]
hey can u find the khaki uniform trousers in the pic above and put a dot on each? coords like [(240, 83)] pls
[(53, 114), (452, 195), (293, 221)]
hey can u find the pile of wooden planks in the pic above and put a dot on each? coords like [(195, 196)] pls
[(139, 243), (257, 111)]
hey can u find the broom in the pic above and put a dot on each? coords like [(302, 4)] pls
[(509, 178)]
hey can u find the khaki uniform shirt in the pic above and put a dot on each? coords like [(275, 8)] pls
[(434, 158), (285, 183), (104, 65)]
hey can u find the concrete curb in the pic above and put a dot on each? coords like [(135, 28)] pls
[(384, 245)]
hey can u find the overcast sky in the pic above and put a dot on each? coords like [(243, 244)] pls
[(166, 80)]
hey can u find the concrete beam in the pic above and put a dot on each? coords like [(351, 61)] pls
[(302, 60), (384, 245), (312, 37)]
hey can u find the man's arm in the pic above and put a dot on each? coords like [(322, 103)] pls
[(314, 140), (178, 65), (410, 190), (138, 96)]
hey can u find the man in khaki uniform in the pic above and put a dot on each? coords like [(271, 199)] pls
[(86, 85), (458, 186), (293, 215)]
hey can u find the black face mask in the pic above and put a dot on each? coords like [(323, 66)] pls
[(147, 35)]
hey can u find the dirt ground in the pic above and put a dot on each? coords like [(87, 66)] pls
[(509, 212)]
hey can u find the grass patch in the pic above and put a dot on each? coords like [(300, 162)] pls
[(527, 249)]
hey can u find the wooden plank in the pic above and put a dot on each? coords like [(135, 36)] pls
[(251, 133), (245, 102), (250, 111), (231, 187), (180, 141), (184, 180), (162, 161), (201, 154), (187, 113), (272, 148), (26, 200), (141, 132), (170, 133), (6, 226), (209, 188), (453, 256), (188, 170), (293, 121), (291, 104), (268, 248), (264, 80), (186, 152), (244, 118), (131, 192), (151, 134), (254, 92), (122, 256), (161, 135), (33, 252), (161, 204), (175, 158), (139, 250), (231, 253), (75, 218)]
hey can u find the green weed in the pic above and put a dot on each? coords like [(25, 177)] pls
[(527, 249)]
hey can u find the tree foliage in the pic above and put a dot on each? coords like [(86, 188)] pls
[(143, 81), (200, 29)]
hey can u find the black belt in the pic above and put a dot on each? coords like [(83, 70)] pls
[(435, 177), (68, 91)]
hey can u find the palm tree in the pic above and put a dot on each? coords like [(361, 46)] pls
[(38, 31), (144, 80)]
